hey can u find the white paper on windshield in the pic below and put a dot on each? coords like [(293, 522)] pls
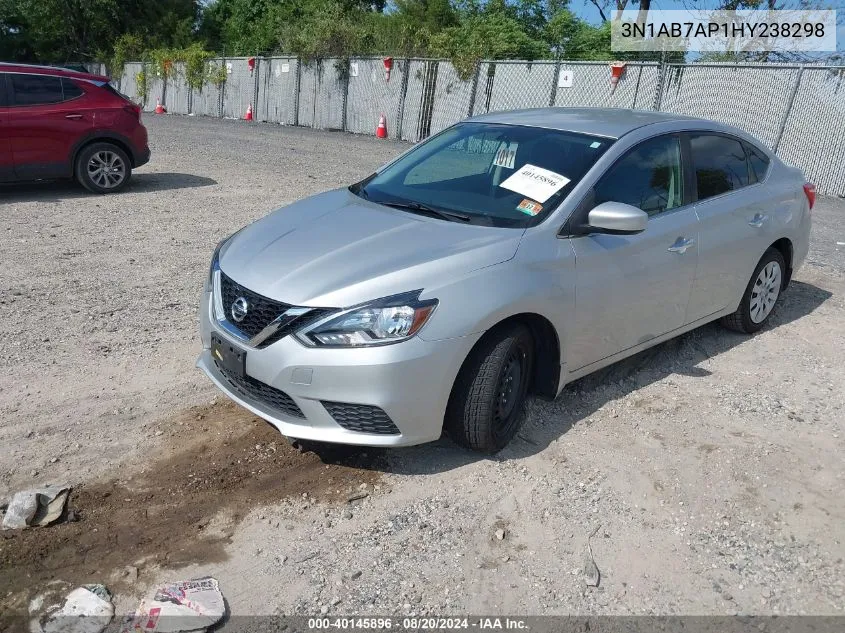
[(535, 182), (506, 155)]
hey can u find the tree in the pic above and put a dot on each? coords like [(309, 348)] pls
[(486, 36), (77, 30)]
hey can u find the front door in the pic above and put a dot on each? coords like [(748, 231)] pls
[(633, 288)]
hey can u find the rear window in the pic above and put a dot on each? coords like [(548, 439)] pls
[(70, 89), (36, 89)]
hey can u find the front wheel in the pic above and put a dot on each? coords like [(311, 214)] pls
[(103, 168), (486, 407), (760, 296)]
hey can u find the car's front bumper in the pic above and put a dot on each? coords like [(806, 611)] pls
[(410, 381)]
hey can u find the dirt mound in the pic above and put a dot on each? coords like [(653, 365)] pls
[(219, 462)]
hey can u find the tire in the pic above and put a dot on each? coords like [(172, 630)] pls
[(480, 415), (92, 163), (763, 290)]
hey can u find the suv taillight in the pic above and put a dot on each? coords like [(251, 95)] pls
[(810, 192), (134, 110)]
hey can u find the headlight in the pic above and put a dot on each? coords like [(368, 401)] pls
[(380, 322), (209, 281)]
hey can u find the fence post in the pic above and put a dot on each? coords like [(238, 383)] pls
[(403, 92), (637, 86), (661, 79), (345, 95), (257, 72), (788, 111), (296, 91), (488, 88), (553, 92), (474, 88), (220, 93)]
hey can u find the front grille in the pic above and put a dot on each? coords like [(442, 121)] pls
[(262, 311), (361, 418), (257, 390)]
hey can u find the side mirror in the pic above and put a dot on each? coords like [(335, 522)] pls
[(616, 218)]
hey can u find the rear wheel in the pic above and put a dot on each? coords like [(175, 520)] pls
[(487, 404), (760, 296), (103, 168)]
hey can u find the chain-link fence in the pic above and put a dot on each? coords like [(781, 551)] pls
[(799, 111)]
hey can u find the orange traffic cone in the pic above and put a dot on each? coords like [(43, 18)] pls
[(381, 130), (248, 115), (160, 108)]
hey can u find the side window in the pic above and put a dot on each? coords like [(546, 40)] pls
[(759, 162), (720, 164), (3, 99), (36, 89), (70, 89), (648, 177)]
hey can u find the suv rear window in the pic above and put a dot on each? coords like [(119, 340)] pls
[(36, 89)]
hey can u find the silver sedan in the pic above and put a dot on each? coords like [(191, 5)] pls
[(502, 258)]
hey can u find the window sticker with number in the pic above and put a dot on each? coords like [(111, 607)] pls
[(529, 207), (535, 182), (506, 155)]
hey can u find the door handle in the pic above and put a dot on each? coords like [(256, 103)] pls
[(73, 116), (758, 220), (681, 245)]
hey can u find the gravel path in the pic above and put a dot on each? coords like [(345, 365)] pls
[(710, 468)]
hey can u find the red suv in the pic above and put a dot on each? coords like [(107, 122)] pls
[(58, 123)]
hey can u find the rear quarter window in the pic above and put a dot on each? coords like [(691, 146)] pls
[(70, 89), (759, 162), (3, 98)]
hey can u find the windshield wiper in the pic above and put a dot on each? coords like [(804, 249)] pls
[(418, 207)]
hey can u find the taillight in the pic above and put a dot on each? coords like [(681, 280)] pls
[(810, 192), (133, 109)]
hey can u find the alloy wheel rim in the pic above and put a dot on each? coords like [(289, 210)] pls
[(765, 292), (106, 169)]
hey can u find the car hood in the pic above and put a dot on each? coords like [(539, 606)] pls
[(337, 250)]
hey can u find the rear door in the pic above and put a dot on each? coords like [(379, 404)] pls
[(46, 119), (633, 288), (737, 214), (7, 165)]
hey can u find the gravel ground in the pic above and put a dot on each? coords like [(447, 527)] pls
[(709, 470)]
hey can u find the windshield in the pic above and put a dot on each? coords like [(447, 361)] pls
[(499, 175)]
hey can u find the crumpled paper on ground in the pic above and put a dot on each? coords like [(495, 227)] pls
[(87, 609), (189, 605), (35, 507)]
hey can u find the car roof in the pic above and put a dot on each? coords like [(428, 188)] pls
[(607, 122), (7, 67)]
